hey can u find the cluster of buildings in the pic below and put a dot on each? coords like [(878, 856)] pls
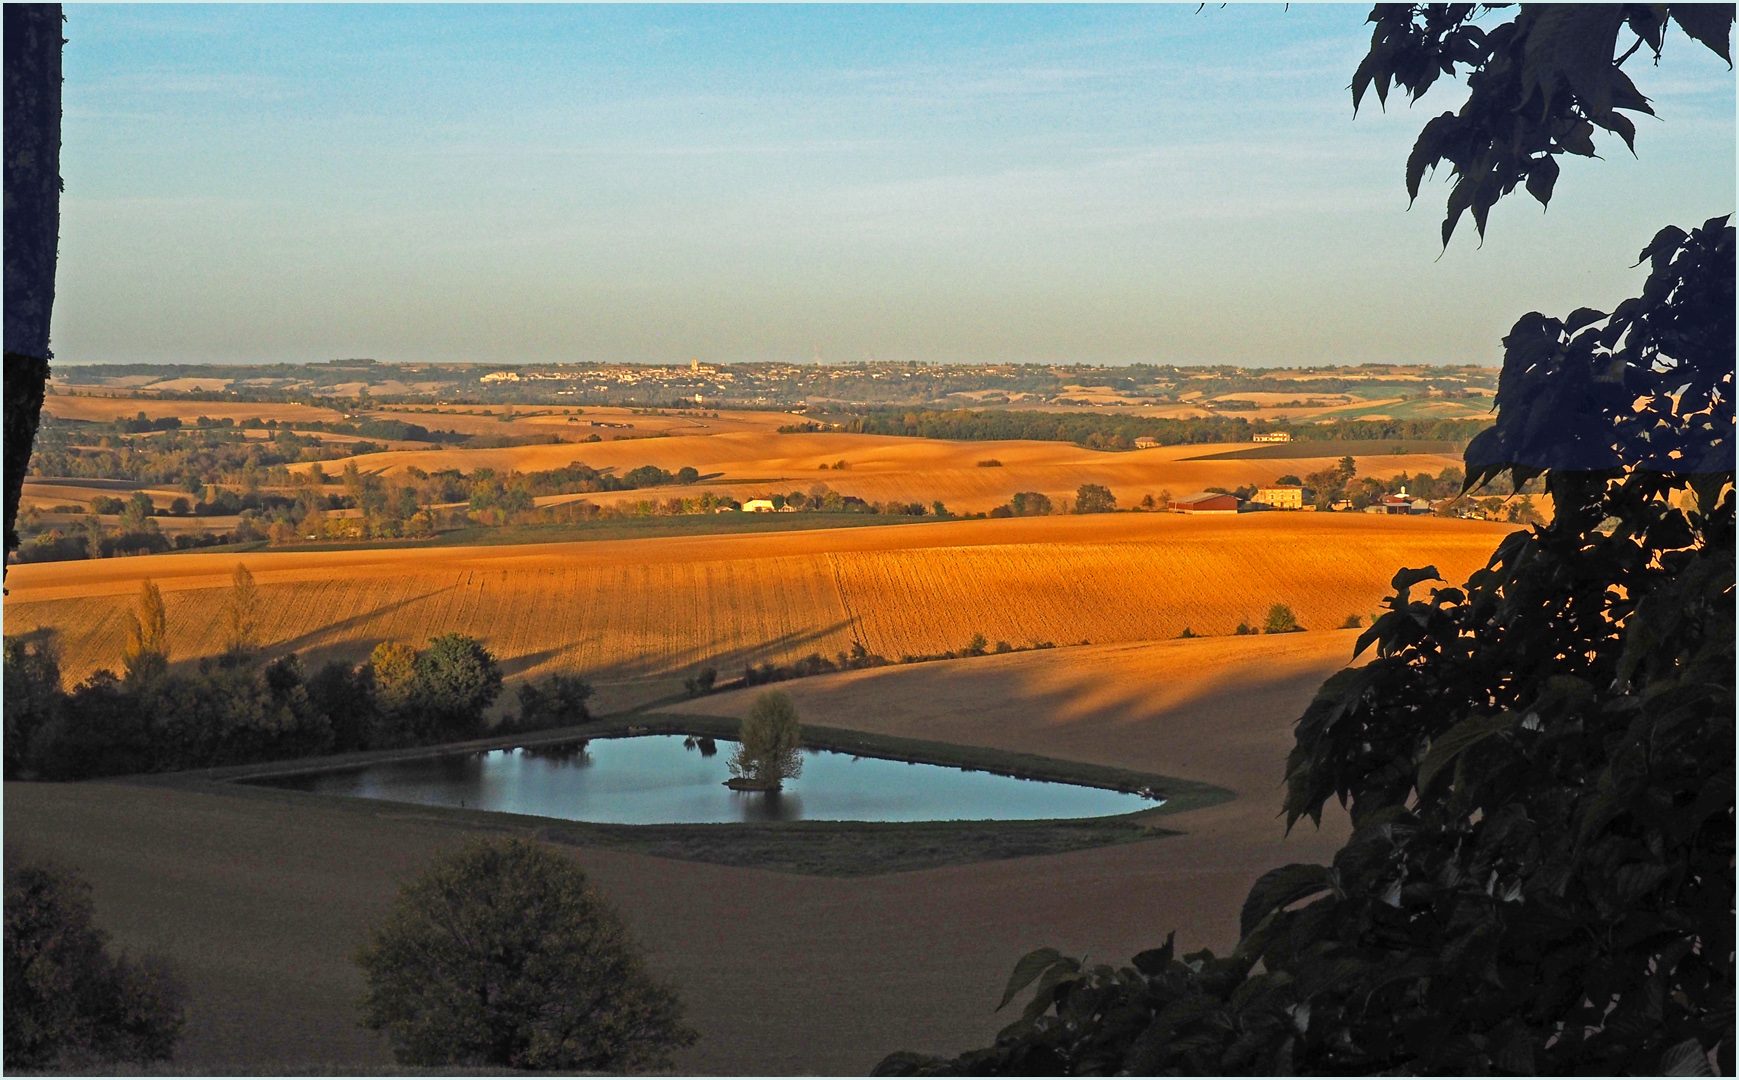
[(1289, 497)]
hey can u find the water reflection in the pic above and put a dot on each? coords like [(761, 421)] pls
[(568, 753), (769, 805), (663, 779)]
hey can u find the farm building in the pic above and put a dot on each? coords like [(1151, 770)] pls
[(759, 506), (1400, 503), (1206, 502), (1281, 497), (1146, 442), (1274, 436)]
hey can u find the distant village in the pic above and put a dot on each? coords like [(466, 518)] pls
[(700, 384)]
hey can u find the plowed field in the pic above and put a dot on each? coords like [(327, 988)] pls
[(628, 610)]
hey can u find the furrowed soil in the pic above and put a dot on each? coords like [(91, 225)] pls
[(664, 607), (261, 901)]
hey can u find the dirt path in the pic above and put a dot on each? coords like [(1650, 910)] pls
[(262, 900)]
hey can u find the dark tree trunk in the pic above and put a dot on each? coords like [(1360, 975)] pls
[(33, 44)]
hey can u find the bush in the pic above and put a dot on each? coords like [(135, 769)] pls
[(69, 1003), (1094, 499), (767, 752), (702, 683), (501, 954), (1280, 621), (559, 702)]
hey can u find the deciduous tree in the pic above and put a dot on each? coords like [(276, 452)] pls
[(502, 954)]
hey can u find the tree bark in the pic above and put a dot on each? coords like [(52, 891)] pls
[(33, 46)]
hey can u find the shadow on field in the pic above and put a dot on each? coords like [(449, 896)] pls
[(728, 662)]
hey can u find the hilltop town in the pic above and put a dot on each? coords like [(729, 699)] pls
[(1442, 392)]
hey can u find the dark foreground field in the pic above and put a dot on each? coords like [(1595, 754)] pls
[(261, 901)]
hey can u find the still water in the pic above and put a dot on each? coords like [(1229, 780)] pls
[(667, 779)]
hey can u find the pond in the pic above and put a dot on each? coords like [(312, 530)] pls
[(670, 779)]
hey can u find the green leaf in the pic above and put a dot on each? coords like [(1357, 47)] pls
[(1448, 746), (1030, 967), (1280, 887)]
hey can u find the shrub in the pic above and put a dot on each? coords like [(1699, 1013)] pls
[(1094, 499), (1029, 504), (559, 702), (501, 954), (1244, 629), (69, 1003), (701, 683), (767, 752), (1353, 622), (1280, 621)]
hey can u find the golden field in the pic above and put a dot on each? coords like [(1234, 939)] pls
[(881, 468), (628, 610), (104, 408), (742, 455)]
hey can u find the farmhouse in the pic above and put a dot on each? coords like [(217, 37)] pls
[(1274, 436), (759, 506), (1400, 503), (1206, 502), (1146, 442), (1281, 497)]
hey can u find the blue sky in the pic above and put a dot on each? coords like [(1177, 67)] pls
[(647, 183)]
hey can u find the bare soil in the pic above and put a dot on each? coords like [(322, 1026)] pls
[(263, 901)]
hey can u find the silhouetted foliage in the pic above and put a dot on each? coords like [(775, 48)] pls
[(1539, 764), (70, 1005), (502, 954), (559, 701)]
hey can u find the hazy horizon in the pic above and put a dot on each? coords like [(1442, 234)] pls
[(948, 184)]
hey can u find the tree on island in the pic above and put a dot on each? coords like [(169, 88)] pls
[(1538, 765), (768, 745)]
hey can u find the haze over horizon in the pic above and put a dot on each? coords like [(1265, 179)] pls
[(656, 184)]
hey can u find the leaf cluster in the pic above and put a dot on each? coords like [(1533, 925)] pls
[(1649, 385), (1539, 86), (1538, 766), (1539, 769)]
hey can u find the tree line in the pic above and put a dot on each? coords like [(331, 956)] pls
[(1105, 430), (238, 707)]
